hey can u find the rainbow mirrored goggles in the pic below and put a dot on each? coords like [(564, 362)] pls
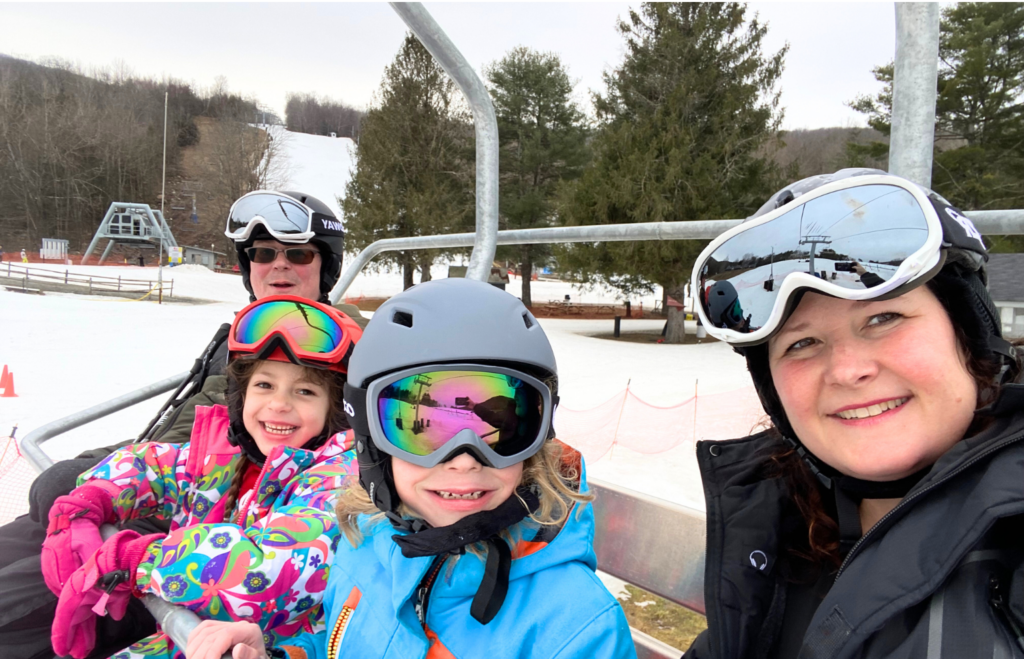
[(860, 238), (294, 329), (427, 415)]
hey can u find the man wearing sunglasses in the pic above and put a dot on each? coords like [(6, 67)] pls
[(287, 243)]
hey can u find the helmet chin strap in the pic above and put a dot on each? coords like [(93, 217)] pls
[(848, 492), (421, 539)]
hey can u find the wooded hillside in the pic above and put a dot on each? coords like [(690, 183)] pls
[(72, 143)]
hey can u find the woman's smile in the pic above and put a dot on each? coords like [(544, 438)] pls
[(871, 410)]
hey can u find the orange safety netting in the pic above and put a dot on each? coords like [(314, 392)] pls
[(16, 475), (626, 420)]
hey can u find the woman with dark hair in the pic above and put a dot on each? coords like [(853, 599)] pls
[(882, 514)]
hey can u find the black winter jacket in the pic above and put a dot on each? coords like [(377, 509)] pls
[(941, 576)]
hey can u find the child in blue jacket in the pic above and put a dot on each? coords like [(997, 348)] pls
[(471, 534)]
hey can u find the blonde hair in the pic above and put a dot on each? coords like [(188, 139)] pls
[(554, 472)]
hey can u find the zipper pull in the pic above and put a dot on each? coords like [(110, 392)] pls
[(109, 581), (997, 602)]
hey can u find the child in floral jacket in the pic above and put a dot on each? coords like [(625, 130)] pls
[(249, 497)]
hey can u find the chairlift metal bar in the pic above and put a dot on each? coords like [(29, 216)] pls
[(485, 124), (999, 223), (30, 442)]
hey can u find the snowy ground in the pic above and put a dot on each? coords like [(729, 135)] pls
[(69, 352), (200, 283)]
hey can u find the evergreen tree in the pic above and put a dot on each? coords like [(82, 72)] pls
[(685, 130), (412, 176), (878, 109), (979, 131), (542, 134), (980, 117)]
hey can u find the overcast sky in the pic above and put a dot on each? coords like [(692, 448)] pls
[(340, 49)]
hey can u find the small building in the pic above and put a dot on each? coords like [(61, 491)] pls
[(498, 277), (201, 256), (1006, 286)]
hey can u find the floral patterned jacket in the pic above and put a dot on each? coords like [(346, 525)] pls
[(270, 565)]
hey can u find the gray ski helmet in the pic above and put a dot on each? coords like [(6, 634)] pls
[(722, 299), (450, 320), (442, 321), (330, 243)]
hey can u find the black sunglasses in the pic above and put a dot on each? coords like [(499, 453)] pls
[(295, 255)]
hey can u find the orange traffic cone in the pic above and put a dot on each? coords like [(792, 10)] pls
[(7, 384)]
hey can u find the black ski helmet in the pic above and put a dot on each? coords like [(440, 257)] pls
[(722, 305), (330, 244), (960, 285)]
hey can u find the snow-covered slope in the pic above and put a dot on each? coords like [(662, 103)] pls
[(317, 165)]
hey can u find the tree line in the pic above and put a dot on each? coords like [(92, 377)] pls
[(72, 143), (316, 115)]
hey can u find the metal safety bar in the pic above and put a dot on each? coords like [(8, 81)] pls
[(999, 223), (485, 124), (633, 527), (30, 442)]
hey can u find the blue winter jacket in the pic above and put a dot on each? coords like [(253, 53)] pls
[(555, 607)]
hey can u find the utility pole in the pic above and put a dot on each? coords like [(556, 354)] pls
[(163, 220)]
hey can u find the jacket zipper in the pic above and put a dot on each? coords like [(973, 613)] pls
[(906, 501), (426, 586), (243, 506), (999, 606), (338, 633)]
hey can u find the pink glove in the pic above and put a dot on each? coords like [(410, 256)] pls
[(104, 584), (74, 530)]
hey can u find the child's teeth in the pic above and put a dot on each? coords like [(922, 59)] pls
[(278, 430), (452, 495)]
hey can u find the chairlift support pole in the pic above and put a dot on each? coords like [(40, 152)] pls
[(458, 69), (915, 78), (163, 218)]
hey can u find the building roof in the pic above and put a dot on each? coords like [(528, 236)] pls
[(1006, 277)]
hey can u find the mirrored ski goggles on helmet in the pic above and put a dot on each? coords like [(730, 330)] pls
[(290, 328), (857, 239), (427, 415), (285, 219)]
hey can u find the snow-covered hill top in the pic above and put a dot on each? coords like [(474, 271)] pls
[(317, 165)]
